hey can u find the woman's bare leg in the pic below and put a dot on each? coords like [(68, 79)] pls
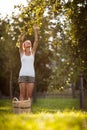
[(30, 88), (22, 87)]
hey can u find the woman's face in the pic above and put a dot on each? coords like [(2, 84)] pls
[(27, 44)]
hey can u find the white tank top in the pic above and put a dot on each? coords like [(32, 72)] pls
[(27, 66)]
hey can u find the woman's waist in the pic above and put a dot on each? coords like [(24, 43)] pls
[(27, 70)]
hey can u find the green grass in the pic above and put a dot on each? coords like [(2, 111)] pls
[(54, 105), (46, 105), (47, 114)]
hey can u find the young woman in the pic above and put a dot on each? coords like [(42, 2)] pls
[(27, 72)]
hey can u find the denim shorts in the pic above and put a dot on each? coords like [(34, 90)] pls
[(26, 79)]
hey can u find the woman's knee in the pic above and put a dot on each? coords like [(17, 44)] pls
[(30, 91), (22, 89)]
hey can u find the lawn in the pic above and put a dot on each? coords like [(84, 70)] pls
[(47, 114)]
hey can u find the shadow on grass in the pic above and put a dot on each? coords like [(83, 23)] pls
[(5, 111), (5, 106)]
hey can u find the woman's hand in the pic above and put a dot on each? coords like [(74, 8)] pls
[(35, 27)]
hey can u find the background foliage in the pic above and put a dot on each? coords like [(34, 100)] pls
[(62, 51)]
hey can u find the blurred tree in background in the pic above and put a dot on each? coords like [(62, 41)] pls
[(62, 52)]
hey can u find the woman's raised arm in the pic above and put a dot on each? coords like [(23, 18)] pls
[(35, 38), (21, 39)]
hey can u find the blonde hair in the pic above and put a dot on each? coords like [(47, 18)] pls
[(27, 41)]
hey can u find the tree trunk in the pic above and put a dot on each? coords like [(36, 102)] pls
[(11, 85), (73, 89), (81, 92)]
